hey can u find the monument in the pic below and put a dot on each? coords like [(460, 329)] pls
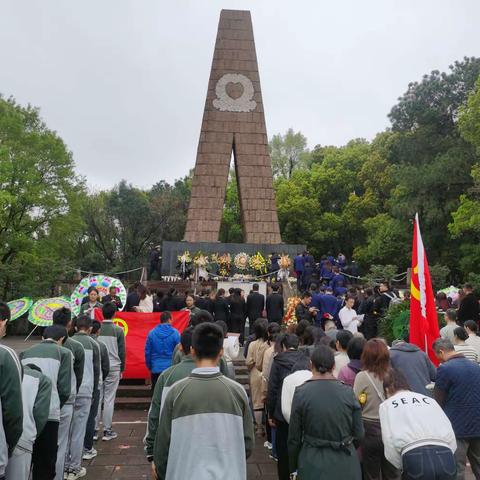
[(233, 122)]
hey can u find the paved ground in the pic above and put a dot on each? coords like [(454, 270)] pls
[(123, 458)]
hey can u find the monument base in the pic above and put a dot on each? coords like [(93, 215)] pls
[(171, 251)]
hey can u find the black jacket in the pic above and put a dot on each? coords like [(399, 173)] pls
[(204, 303), (237, 308), (275, 307), (468, 309), (283, 365), (221, 309), (133, 300), (255, 306), (303, 313)]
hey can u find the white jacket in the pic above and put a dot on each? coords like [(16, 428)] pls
[(410, 420), (146, 305), (231, 348), (290, 384)]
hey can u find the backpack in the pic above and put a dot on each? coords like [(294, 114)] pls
[(394, 300)]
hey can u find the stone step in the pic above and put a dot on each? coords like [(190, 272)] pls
[(133, 403), (134, 391)]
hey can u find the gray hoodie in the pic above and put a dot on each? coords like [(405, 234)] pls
[(415, 366)]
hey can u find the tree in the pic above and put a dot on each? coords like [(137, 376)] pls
[(123, 223), (288, 153), (469, 119), (231, 230), (39, 202)]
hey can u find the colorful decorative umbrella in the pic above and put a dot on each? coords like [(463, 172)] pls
[(19, 307), (41, 312), (102, 283)]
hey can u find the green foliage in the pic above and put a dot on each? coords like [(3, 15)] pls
[(397, 322), (39, 202), (231, 225), (378, 273), (469, 118), (288, 152), (439, 275)]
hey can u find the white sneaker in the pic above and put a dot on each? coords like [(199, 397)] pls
[(109, 435), (75, 475), (89, 454), (268, 445)]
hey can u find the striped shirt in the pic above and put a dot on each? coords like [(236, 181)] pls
[(467, 351)]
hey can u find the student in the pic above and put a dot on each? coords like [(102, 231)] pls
[(113, 338), (416, 433), (160, 345), (88, 451), (206, 425), (36, 394), (165, 381), (325, 422), (55, 362), (341, 355), (11, 412), (83, 400), (63, 317)]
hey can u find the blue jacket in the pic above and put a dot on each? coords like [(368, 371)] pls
[(338, 284), (161, 342), (299, 263)]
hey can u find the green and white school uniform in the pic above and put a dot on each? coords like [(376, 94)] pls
[(205, 427), (36, 392), (11, 412)]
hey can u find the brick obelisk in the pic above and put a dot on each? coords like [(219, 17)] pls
[(233, 120)]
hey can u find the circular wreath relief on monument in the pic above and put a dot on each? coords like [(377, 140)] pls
[(234, 93)]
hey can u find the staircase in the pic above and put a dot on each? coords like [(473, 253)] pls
[(136, 395)]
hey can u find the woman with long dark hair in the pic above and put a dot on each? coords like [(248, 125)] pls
[(368, 388), (238, 310), (146, 300), (221, 310)]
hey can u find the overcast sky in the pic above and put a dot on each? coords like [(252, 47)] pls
[(124, 82)]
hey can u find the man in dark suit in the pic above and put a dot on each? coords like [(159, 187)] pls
[(469, 307), (255, 305), (275, 305)]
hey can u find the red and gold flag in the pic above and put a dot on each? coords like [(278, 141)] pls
[(423, 313), (136, 326)]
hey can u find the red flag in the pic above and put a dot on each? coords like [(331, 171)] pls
[(423, 314), (136, 326)]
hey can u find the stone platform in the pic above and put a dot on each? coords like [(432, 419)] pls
[(171, 251)]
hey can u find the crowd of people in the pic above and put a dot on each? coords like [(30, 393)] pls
[(57, 394), (327, 397)]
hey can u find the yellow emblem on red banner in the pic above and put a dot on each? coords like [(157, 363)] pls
[(121, 323)]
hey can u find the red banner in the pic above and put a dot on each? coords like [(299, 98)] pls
[(136, 327)]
